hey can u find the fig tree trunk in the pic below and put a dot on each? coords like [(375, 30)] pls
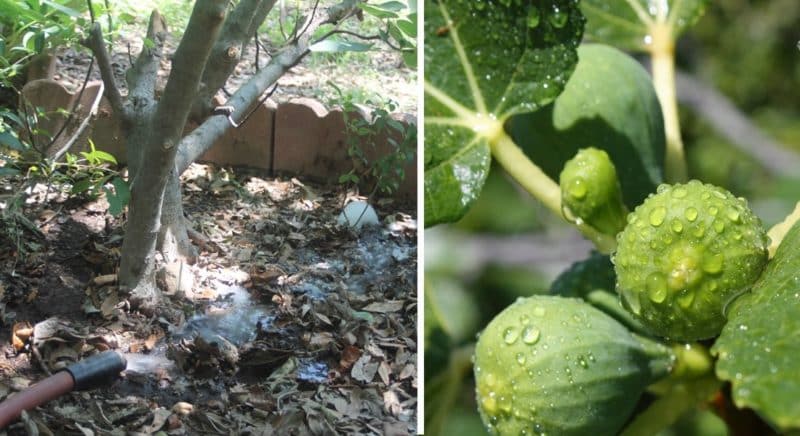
[(157, 150)]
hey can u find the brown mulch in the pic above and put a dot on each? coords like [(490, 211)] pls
[(292, 326)]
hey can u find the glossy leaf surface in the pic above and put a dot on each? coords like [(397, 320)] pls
[(485, 61), (759, 346), (609, 103), (630, 24)]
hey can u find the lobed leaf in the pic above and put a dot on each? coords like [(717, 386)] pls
[(629, 24), (485, 61), (759, 345), (609, 103)]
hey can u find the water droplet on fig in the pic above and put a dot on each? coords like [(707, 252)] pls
[(685, 298), (713, 264), (577, 188), (657, 216), (530, 335), (558, 18), (657, 287), (510, 335), (677, 225), (679, 192), (691, 214)]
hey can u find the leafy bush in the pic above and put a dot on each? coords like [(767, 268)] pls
[(31, 27), (385, 173), (686, 299)]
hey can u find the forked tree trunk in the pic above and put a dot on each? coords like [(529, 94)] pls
[(157, 153)]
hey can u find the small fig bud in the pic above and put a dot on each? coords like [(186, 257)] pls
[(590, 191), (686, 253), (553, 365)]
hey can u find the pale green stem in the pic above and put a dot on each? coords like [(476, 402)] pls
[(525, 172), (442, 391), (662, 54), (666, 410)]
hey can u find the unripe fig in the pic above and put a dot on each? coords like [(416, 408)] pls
[(688, 251), (590, 191), (554, 365)]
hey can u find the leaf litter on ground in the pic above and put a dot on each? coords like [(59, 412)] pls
[(292, 324)]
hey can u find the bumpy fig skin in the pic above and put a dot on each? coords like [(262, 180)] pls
[(553, 365), (590, 191), (688, 251)]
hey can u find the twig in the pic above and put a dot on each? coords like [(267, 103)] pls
[(95, 43), (357, 35), (735, 126)]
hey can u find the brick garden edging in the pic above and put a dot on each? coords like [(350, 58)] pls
[(299, 137)]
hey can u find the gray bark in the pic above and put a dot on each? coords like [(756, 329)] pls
[(157, 154), (137, 264), (238, 29), (173, 239), (201, 139)]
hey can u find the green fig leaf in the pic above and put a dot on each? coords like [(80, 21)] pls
[(609, 103), (448, 306), (759, 345), (630, 24), (593, 280), (485, 61), (585, 276)]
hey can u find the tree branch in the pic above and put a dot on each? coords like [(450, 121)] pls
[(227, 52), (359, 36), (201, 139), (735, 126), (142, 76), (188, 64), (94, 42)]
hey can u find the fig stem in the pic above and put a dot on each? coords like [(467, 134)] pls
[(667, 409), (443, 390), (662, 55), (778, 231), (539, 185), (608, 302), (525, 172)]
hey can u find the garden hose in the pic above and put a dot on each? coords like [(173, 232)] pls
[(86, 374)]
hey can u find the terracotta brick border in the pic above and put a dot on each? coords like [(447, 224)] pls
[(299, 137)]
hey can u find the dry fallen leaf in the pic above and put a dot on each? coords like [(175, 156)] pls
[(20, 333), (384, 306)]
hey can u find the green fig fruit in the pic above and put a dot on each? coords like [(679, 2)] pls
[(686, 253), (554, 365)]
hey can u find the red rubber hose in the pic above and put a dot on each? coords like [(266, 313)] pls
[(48, 389), (89, 373)]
